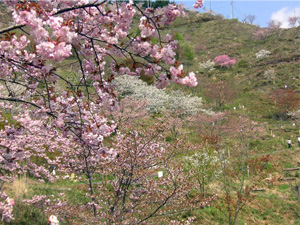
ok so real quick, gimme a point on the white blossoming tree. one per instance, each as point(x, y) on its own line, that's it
point(157, 99)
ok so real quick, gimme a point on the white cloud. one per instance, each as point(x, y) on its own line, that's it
point(283, 15)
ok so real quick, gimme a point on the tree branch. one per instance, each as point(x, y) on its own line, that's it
point(79, 7)
point(19, 26)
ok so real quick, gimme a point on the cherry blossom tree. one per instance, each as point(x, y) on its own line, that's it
point(204, 165)
point(274, 27)
point(261, 34)
point(132, 192)
point(52, 113)
point(293, 21)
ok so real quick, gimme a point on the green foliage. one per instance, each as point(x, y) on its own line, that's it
point(243, 64)
point(160, 3)
point(283, 186)
point(25, 215)
point(148, 79)
point(178, 37)
point(188, 53)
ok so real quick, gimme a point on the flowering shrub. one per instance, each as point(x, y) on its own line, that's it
point(262, 54)
point(205, 165)
point(134, 191)
point(6, 207)
point(224, 61)
point(261, 34)
point(207, 66)
point(158, 100)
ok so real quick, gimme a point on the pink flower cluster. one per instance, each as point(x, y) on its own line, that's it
point(189, 80)
point(6, 207)
point(172, 12)
point(55, 49)
point(147, 28)
point(162, 82)
point(224, 61)
point(49, 50)
point(198, 4)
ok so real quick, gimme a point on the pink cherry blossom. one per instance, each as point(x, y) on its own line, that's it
point(189, 80)
point(198, 4)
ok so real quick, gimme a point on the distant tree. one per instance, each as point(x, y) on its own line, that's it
point(160, 3)
point(285, 100)
point(203, 164)
point(261, 34)
point(236, 166)
point(233, 177)
point(270, 75)
point(274, 26)
point(250, 19)
point(293, 20)
point(220, 93)
point(207, 125)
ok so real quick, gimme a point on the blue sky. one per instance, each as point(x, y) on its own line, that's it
point(263, 10)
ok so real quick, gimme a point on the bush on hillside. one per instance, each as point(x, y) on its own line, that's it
point(224, 61)
point(157, 99)
point(262, 54)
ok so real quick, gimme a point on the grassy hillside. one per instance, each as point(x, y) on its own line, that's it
point(202, 37)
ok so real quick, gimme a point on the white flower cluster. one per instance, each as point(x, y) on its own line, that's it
point(157, 99)
point(262, 54)
point(206, 66)
point(206, 163)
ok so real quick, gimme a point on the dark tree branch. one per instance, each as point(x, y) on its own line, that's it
point(79, 7)
point(19, 26)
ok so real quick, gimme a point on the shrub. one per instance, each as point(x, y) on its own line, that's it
point(262, 54)
point(219, 17)
point(224, 61)
point(261, 34)
point(179, 37)
point(207, 66)
point(188, 53)
point(157, 99)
